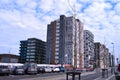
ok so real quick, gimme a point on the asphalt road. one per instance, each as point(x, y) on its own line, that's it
point(95, 76)
point(18, 77)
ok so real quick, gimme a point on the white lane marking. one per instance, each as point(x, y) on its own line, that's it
point(98, 78)
point(109, 77)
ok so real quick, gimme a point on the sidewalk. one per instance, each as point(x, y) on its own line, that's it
point(58, 77)
point(109, 78)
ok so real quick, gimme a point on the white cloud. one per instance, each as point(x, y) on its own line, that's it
point(22, 19)
point(46, 5)
point(6, 1)
point(117, 7)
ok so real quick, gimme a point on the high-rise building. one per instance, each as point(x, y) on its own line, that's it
point(32, 50)
point(110, 58)
point(64, 41)
point(88, 49)
point(23, 51)
point(102, 56)
point(97, 54)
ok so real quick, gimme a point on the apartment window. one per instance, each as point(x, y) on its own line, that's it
point(57, 38)
point(57, 34)
point(27, 59)
point(31, 40)
point(27, 56)
point(32, 59)
point(32, 56)
point(57, 42)
point(57, 45)
point(57, 30)
point(86, 55)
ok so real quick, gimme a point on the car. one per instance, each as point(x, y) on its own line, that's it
point(30, 68)
point(56, 69)
point(48, 69)
point(18, 70)
point(117, 72)
point(41, 69)
point(62, 69)
point(4, 70)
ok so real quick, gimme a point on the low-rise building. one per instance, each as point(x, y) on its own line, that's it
point(9, 58)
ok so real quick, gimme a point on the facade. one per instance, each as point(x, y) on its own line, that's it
point(102, 56)
point(23, 51)
point(97, 54)
point(9, 58)
point(110, 58)
point(64, 41)
point(33, 50)
point(88, 49)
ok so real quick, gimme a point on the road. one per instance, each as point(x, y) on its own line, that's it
point(57, 76)
point(18, 77)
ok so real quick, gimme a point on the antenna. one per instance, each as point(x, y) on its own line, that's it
point(9, 51)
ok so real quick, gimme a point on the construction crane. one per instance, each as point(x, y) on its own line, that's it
point(75, 39)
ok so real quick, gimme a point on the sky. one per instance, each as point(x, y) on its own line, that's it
point(23, 19)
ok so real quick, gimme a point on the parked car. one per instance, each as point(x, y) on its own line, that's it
point(117, 72)
point(56, 69)
point(30, 68)
point(62, 69)
point(48, 69)
point(41, 69)
point(18, 70)
point(4, 70)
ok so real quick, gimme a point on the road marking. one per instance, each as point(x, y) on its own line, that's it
point(12, 75)
point(99, 78)
point(109, 77)
point(47, 78)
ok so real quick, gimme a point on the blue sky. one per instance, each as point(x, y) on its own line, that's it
point(22, 19)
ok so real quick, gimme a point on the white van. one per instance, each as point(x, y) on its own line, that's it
point(30, 68)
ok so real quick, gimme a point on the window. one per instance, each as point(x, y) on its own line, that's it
point(32, 59)
point(32, 56)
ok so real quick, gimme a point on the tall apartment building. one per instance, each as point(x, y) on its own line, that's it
point(88, 49)
point(23, 51)
point(112, 60)
point(102, 56)
point(64, 41)
point(32, 50)
point(97, 54)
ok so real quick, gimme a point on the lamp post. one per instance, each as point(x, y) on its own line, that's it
point(112, 57)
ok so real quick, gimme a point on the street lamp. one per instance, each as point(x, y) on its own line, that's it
point(112, 57)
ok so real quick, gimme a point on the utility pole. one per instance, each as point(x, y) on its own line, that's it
point(112, 69)
point(112, 55)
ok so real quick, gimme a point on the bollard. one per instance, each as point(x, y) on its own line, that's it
point(73, 73)
point(104, 73)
